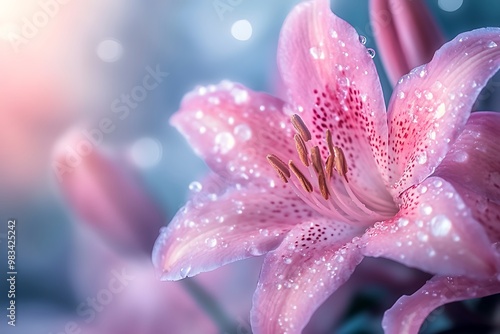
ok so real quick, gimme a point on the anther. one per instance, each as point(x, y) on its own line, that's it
point(323, 188)
point(301, 149)
point(329, 166)
point(302, 179)
point(280, 167)
point(340, 163)
point(301, 127)
point(316, 160)
point(329, 141)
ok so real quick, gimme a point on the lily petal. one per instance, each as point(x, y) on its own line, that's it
point(409, 312)
point(431, 105)
point(473, 167)
point(435, 232)
point(406, 34)
point(233, 129)
point(223, 224)
point(315, 258)
point(333, 84)
point(474, 159)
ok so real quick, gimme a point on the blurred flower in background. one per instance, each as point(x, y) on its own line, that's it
point(46, 79)
point(113, 72)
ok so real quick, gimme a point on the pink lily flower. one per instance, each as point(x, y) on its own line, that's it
point(406, 34)
point(344, 179)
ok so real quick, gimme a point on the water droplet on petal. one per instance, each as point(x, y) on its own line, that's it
point(334, 34)
point(437, 183)
point(211, 242)
point(438, 85)
point(253, 250)
point(460, 156)
point(440, 225)
point(441, 110)
point(402, 222)
point(401, 94)
point(199, 114)
point(224, 142)
point(371, 52)
point(362, 39)
point(422, 236)
point(243, 132)
point(317, 53)
point(428, 95)
point(425, 209)
point(492, 45)
point(240, 95)
point(422, 158)
point(195, 186)
point(264, 232)
point(287, 260)
point(185, 271)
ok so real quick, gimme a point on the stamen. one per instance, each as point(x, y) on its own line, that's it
point(301, 127)
point(329, 166)
point(328, 193)
point(340, 162)
point(318, 168)
point(316, 160)
point(280, 167)
point(304, 182)
point(329, 142)
point(301, 149)
point(323, 187)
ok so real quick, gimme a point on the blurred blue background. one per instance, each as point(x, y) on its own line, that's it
point(98, 52)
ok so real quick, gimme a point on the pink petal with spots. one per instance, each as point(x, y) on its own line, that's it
point(435, 232)
point(406, 33)
point(312, 262)
point(473, 167)
point(474, 159)
point(334, 85)
point(409, 312)
point(224, 224)
point(234, 128)
point(431, 105)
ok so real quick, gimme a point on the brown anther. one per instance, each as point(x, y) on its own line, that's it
point(329, 141)
point(316, 160)
point(301, 127)
point(280, 167)
point(340, 162)
point(318, 167)
point(323, 188)
point(329, 166)
point(301, 149)
point(302, 179)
